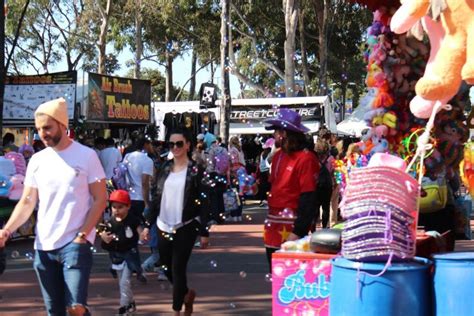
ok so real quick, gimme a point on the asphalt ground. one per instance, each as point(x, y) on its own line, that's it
point(229, 277)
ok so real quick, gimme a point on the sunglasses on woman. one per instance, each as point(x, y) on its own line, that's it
point(178, 144)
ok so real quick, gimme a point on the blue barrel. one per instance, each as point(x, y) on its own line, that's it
point(403, 289)
point(453, 281)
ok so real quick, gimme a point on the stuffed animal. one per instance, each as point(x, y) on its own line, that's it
point(419, 106)
point(455, 58)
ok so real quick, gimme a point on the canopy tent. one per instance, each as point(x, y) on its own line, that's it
point(247, 115)
point(355, 124)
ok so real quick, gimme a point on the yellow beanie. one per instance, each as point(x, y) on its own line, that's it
point(56, 108)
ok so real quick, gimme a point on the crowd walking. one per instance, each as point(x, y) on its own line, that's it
point(163, 195)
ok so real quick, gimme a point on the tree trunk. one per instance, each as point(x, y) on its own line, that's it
point(192, 87)
point(2, 64)
point(213, 71)
point(102, 43)
point(304, 55)
point(225, 86)
point(322, 11)
point(291, 8)
point(169, 77)
point(138, 39)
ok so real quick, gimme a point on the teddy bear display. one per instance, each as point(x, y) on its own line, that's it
point(452, 58)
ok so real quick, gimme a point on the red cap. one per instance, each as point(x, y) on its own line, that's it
point(120, 196)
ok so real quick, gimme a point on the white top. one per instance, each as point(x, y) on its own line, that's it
point(62, 179)
point(138, 164)
point(172, 201)
point(7, 167)
point(110, 157)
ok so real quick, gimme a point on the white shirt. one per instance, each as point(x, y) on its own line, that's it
point(138, 164)
point(172, 201)
point(110, 157)
point(62, 180)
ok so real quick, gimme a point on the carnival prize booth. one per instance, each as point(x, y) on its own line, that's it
point(401, 206)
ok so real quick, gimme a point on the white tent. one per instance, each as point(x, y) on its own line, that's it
point(247, 115)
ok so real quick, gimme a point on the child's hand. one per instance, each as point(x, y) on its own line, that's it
point(106, 237)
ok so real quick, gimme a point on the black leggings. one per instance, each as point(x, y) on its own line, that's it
point(174, 255)
point(323, 200)
point(270, 251)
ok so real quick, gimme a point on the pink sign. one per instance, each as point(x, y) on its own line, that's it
point(300, 285)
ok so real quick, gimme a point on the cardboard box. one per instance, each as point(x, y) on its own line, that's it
point(300, 283)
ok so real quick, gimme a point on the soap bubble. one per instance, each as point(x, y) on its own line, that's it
point(213, 264)
point(232, 305)
point(268, 277)
point(15, 254)
point(93, 249)
point(243, 274)
point(30, 256)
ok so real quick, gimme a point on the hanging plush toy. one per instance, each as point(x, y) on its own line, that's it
point(453, 61)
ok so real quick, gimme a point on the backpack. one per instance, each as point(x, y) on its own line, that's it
point(119, 178)
point(18, 161)
point(222, 162)
point(324, 178)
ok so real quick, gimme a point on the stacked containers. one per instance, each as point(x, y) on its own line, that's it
point(380, 205)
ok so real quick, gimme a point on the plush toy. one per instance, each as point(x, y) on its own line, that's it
point(419, 106)
point(455, 58)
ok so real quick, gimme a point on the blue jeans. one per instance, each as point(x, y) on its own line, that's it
point(63, 275)
point(149, 264)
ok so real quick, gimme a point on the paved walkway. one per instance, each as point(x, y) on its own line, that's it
point(229, 277)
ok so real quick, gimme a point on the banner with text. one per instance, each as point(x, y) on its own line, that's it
point(23, 94)
point(254, 113)
point(119, 100)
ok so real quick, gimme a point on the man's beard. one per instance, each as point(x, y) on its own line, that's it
point(53, 140)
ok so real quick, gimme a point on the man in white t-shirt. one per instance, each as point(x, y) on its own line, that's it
point(109, 157)
point(68, 181)
point(140, 169)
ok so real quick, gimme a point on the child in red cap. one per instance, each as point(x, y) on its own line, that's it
point(120, 238)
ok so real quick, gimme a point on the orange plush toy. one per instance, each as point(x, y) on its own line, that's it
point(454, 61)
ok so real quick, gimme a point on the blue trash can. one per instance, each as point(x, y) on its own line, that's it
point(453, 280)
point(403, 289)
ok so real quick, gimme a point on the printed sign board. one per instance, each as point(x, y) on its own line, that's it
point(120, 100)
point(23, 94)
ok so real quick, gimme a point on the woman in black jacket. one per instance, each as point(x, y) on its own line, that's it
point(179, 207)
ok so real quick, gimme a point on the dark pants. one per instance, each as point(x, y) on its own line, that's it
point(270, 252)
point(323, 200)
point(175, 251)
point(137, 207)
point(216, 198)
point(238, 211)
point(264, 186)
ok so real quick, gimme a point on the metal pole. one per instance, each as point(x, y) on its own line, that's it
point(225, 105)
point(2, 63)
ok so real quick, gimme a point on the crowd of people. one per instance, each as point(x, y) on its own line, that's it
point(172, 192)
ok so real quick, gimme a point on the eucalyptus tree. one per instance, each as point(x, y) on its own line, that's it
point(37, 43)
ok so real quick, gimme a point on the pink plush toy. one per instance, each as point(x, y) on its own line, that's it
point(453, 60)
